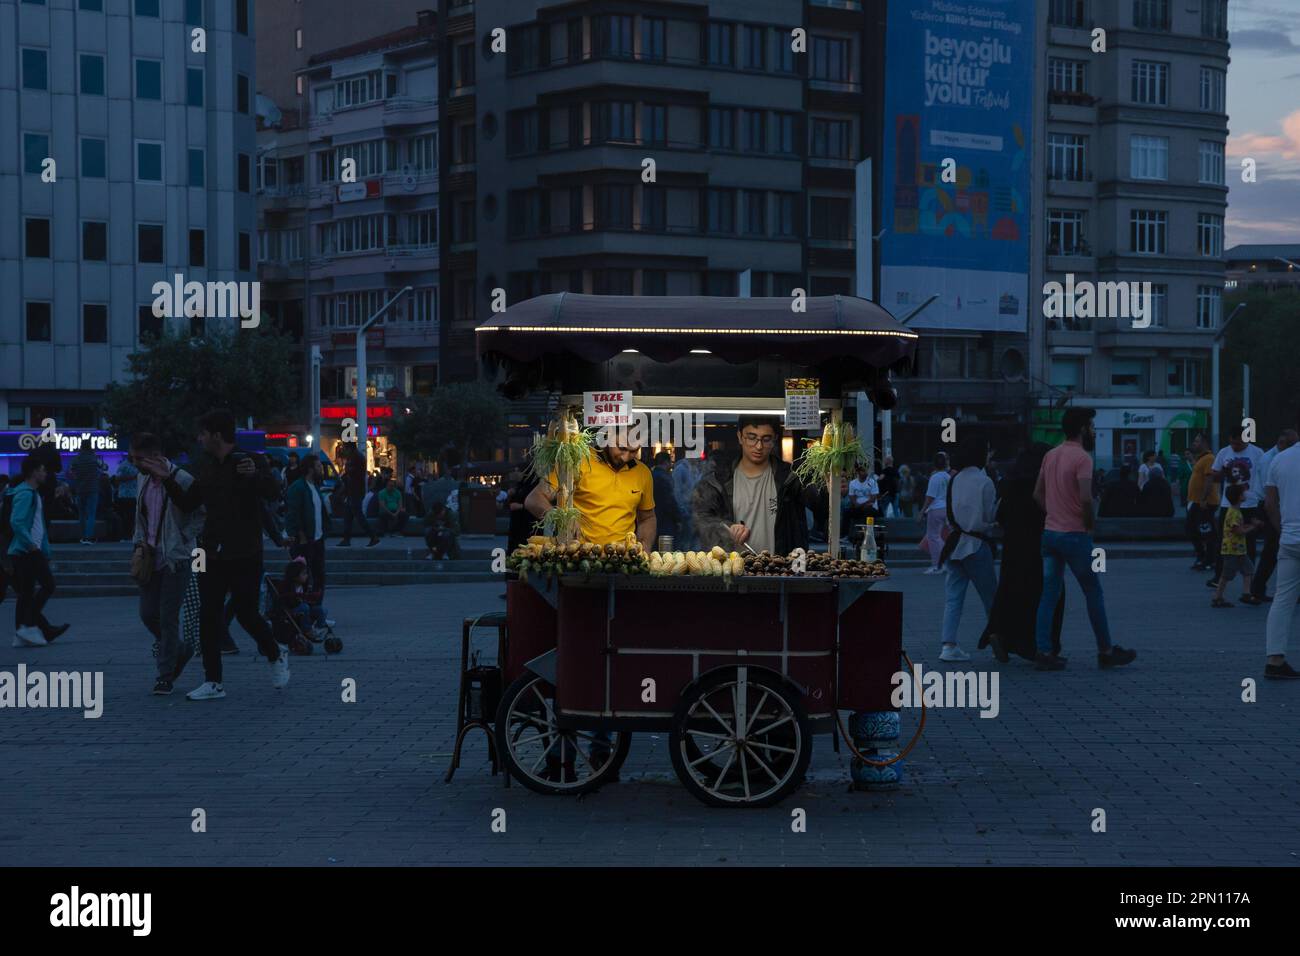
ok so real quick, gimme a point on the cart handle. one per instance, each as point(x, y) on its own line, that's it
point(902, 753)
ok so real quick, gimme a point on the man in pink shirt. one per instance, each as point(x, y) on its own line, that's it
point(1064, 492)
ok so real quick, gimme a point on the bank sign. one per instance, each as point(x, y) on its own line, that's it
point(959, 87)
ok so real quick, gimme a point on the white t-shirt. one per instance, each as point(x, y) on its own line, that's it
point(1284, 475)
point(1144, 472)
point(974, 505)
point(938, 490)
point(860, 491)
point(1242, 468)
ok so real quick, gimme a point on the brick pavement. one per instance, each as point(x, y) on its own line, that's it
point(1187, 773)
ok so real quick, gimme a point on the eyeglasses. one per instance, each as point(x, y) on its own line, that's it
point(765, 440)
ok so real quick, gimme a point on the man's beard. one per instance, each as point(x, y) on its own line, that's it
point(1089, 441)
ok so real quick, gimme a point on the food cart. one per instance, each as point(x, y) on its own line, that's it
point(740, 671)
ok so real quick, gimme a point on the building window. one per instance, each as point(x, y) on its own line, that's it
point(150, 325)
point(198, 247)
point(241, 93)
point(755, 207)
point(830, 60)
point(1065, 235)
point(241, 17)
point(720, 210)
point(785, 138)
point(196, 168)
point(94, 241)
point(1214, 19)
point(94, 163)
point(194, 13)
point(654, 282)
point(527, 213)
point(146, 8)
point(654, 124)
point(654, 208)
point(148, 162)
point(1158, 305)
point(1067, 76)
point(193, 86)
point(832, 218)
point(245, 252)
point(148, 79)
point(1211, 162)
point(464, 65)
point(244, 172)
point(1151, 14)
point(1130, 376)
point(1187, 377)
point(297, 38)
point(94, 324)
point(611, 281)
point(722, 44)
point(465, 143)
point(1067, 373)
point(755, 40)
point(831, 139)
point(1148, 231)
point(753, 131)
point(35, 70)
point(424, 309)
point(1148, 157)
point(1067, 156)
point(522, 128)
point(652, 39)
point(94, 6)
point(613, 206)
point(785, 62)
point(1209, 235)
point(37, 238)
point(1068, 13)
point(92, 74)
point(722, 127)
point(1213, 88)
point(524, 51)
point(614, 36)
point(1209, 306)
point(613, 122)
point(784, 225)
point(357, 90)
point(36, 149)
point(718, 282)
point(149, 243)
point(1150, 82)
point(38, 322)
point(463, 223)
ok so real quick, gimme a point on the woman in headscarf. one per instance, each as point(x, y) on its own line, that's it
point(1011, 622)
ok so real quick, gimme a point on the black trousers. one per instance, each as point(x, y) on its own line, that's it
point(34, 585)
point(352, 513)
point(1203, 543)
point(125, 508)
point(314, 554)
point(241, 578)
point(1247, 515)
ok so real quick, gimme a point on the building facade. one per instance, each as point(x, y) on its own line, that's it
point(1131, 190)
point(126, 158)
point(1270, 266)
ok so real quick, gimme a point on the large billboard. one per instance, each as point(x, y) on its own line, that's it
point(959, 89)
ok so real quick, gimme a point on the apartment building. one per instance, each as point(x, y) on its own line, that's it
point(153, 149)
point(1271, 266)
point(1132, 189)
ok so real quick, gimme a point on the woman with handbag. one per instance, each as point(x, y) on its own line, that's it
point(971, 508)
point(160, 562)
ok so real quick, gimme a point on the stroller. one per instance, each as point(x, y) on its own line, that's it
point(278, 610)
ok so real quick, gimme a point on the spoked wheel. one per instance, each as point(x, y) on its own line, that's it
point(544, 757)
point(740, 738)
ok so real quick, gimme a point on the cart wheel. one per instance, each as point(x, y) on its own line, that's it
point(740, 738)
point(544, 758)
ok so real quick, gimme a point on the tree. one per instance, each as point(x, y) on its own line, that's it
point(1263, 336)
point(176, 378)
point(450, 424)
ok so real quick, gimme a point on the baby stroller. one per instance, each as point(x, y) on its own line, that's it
point(285, 627)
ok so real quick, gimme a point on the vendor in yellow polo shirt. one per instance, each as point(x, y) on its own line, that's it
point(614, 492)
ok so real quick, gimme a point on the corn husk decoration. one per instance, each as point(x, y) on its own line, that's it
point(562, 450)
point(839, 451)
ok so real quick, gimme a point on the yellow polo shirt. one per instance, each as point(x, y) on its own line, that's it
point(609, 499)
point(1200, 477)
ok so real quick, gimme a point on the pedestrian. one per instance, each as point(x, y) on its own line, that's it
point(1232, 549)
point(231, 486)
point(1156, 499)
point(971, 507)
point(935, 512)
point(1239, 463)
point(303, 597)
point(306, 520)
point(1011, 623)
point(666, 511)
point(1270, 533)
point(1202, 503)
point(521, 522)
point(292, 471)
point(85, 487)
point(686, 475)
point(1064, 492)
point(1144, 470)
point(163, 540)
point(355, 481)
point(1282, 502)
point(29, 552)
point(391, 509)
point(906, 490)
point(887, 481)
point(125, 484)
point(439, 536)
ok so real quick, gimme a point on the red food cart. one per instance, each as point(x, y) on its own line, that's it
point(740, 672)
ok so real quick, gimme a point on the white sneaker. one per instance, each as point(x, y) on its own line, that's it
point(280, 670)
point(29, 637)
point(933, 570)
point(330, 622)
point(207, 691)
point(951, 652)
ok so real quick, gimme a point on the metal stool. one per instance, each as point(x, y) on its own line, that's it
point(466, 718)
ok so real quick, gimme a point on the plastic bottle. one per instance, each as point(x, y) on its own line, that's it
point(868, 550)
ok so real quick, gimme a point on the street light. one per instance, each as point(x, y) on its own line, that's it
point(1214, 373)
point(361, 370)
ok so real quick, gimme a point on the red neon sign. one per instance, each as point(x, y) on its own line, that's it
point(350, 411)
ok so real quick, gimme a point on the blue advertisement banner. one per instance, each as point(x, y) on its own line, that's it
point(959, 90)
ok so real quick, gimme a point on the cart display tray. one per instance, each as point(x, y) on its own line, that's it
point(742, 584)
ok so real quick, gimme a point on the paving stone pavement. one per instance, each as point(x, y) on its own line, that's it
point(1186, 772)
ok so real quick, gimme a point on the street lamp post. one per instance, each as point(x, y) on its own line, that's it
point(1214, 374)
point(361, 371)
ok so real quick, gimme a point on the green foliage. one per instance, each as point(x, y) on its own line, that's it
point(176, 378)
point(1263, 336)
point(453, 422)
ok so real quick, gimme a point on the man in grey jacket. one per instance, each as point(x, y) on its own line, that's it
point(171, 533)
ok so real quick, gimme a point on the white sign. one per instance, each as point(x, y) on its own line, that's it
point(802, 403)
point(606, 408)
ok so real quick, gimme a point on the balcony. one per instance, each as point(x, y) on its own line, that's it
point(1077, 258)
point(1074, 184)
point(405, 257)
point(283, 197)
point(410, 110)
